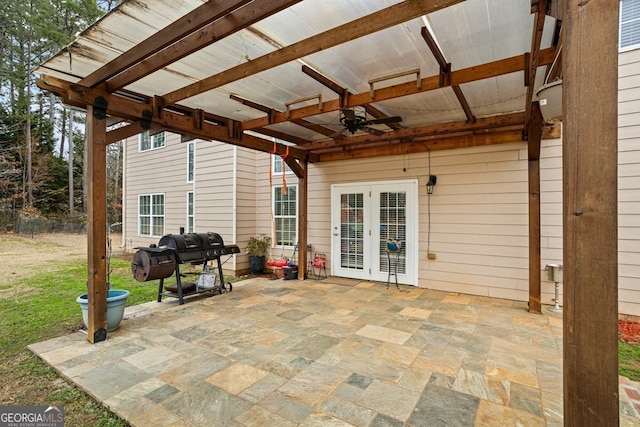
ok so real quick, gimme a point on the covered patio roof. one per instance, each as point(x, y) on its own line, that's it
point(343, 79)
point(457, 73)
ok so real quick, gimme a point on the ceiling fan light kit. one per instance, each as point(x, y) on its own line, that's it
point(355, 119)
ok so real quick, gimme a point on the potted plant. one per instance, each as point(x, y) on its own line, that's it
point(116, 298)
point(257, 248)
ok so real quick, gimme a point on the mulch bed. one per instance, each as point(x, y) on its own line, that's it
point(629, 331)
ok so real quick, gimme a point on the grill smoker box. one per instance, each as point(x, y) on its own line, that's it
point(153, 263)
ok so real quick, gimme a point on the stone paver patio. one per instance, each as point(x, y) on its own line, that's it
point(319, 353)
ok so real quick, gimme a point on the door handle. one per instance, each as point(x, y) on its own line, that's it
point(335, 234)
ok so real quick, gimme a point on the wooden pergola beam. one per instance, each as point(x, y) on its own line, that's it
point(501, 67)
point(540, 7)
point(96, 151)
point(127, 131)
point(590, 213)
point(422, 145)
point(189, 23)
point(275, 133)
point(445, 71)
point(229, 24)
point(534, 132)
point(377, 21)
point(74, 94)
point(344, 93)
point(430, 130)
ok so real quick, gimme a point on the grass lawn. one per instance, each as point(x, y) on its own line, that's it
point(39, 306)
point(36, 309)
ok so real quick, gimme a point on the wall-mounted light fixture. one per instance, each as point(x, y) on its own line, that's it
point(431, 183)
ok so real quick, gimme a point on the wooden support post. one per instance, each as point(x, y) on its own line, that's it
point(97, 225)
point(534, 131)
point(590, 213)
point(302, 220)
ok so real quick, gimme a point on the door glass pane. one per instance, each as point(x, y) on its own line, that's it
point(352, 231)
point(393, 226)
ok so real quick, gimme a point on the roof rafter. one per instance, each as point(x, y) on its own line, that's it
point(270, 111)
point(344, 93)
point(377, 21)
point(465, 75)
point(445, 71)
point(235, 21)
point(189, 23)
point(539, 7)
point(81, 96)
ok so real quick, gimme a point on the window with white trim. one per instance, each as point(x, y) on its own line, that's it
point(629, 25)
point(191, 161)
point(151, 142)
point(279, 165)
point(151, 215)
point(190, 211)
point(285, 215)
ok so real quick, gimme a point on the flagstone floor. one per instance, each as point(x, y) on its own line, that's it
point(319, 353)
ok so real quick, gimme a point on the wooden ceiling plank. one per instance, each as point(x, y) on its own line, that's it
point(377, 21)
point(189, 23)
point(534, 58)
point(466, 75)
point(235, 21)
point(80, 96)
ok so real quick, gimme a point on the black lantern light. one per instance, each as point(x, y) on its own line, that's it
point(431, 183)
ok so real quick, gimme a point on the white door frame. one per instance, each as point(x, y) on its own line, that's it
point(371, 264)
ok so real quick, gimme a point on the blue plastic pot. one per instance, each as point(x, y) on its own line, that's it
point(116, 301)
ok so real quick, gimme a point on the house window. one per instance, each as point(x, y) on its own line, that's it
point(190, 212)
point(629, 24)
point(191, 161)
point(285, 215)
point(279, 166)
point(151, 215)
point(151, 142)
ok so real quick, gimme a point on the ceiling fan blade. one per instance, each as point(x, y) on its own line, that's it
point(376, 132)
point(384, 120)
point(348, 114)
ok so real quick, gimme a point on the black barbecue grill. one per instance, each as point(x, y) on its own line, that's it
point(163, 260)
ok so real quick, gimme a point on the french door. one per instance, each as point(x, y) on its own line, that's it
point(364, 216)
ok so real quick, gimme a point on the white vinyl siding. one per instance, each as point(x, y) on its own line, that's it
point(151, 142)
point(191, 161)
point(629, 182)
point(285, 215)
point(151, 215)
point(629, 24)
